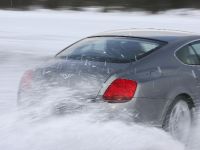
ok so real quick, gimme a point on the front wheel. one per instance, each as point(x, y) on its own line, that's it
point(178, 120)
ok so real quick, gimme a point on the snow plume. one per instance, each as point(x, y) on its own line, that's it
point(43, 33)
point(79, 132)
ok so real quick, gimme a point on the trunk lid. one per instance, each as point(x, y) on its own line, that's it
point(84, 78)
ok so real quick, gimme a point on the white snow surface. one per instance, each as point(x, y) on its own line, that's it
point(29, 37)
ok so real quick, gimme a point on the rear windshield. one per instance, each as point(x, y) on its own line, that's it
point(110, 49)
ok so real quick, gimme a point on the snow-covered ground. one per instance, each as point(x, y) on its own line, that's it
point(28, 37)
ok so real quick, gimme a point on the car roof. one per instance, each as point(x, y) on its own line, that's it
point(156, 34)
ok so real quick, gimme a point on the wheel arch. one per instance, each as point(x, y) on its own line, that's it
point(185, 96)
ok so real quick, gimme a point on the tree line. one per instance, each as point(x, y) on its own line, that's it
point(148, 5)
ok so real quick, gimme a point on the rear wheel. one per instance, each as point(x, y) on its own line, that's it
point(178, 120)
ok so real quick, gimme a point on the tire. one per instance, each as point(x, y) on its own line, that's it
point(178, 119)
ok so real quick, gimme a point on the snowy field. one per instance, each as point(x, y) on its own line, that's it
point(29, 37)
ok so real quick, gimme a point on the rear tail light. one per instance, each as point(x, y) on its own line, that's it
point(120, 90)
point(27, 79)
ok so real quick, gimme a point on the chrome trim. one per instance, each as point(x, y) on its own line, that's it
point(182, 47)
point(106, 84)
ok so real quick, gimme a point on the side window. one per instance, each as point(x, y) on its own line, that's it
point(196, 47)
point(188, 56)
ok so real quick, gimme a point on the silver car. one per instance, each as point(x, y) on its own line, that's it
point(154, 75)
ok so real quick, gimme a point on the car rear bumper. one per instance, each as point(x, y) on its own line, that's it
point(141, 110)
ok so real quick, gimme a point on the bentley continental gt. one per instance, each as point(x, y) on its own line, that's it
point(151, 73)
